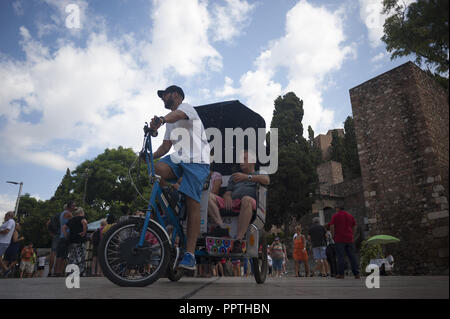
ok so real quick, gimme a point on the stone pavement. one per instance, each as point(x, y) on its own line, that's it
point(288, 287)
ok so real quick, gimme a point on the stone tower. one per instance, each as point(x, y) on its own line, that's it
point(401, 122)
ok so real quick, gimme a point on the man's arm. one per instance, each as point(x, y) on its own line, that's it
point(5, 231)
point(332, 229)
point(172, 117)
point(163, 149)
point(175, 116)
point(84, 222)
point(240, 177)
point(64, 229)
point(228, 200)
point(262, 179)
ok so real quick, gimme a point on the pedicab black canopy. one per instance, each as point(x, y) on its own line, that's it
point(230, 114)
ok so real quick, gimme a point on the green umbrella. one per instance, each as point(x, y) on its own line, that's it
point(382, 239)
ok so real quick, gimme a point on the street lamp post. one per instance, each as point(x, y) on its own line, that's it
point(18, 196)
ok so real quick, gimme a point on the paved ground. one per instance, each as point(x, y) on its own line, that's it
point(403, 287)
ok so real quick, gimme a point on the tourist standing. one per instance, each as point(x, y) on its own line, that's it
point(343, 227)
point(26, 263)
point(6, 233)
point(277, 251)
point(75, 232)
point(317, 237)
point(300, 255)
point(331, 252)
point(13, 251)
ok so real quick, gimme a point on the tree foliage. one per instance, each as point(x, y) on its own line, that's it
point(422, 29)
point(100, 186)
point(345, 150)
point(296, 176)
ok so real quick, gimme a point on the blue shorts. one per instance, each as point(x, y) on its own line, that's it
point(320, 253)
point(55, 241)
point(194, 176)
point(3, 248)
point(277, 264)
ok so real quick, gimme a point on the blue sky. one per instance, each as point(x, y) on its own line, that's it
point(68, 93)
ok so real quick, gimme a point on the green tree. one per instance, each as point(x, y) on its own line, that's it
point(296, 176)
point(337, 152)
point(351, 149)
point(422, 29)
point(33, 218)
point(65, 189)
point(315, 150)
point(345, 150)
point(104, 183)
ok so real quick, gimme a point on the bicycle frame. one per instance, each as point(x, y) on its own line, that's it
point(169, 218)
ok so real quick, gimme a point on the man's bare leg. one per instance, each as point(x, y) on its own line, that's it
point(164, 170)
point(244, 217)
point(193, 224)
point(51, 271)
point(213, 210)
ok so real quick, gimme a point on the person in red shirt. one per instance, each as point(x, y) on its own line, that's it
point(343, 227)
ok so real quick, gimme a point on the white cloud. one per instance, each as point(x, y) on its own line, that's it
point(180, 38)
point(231, 19)
point(63, 11)
point(7, 203)
point(311, 48)
point(18, 7)
point(370, 14)
point(82, 95)
point(99, 95)
point(378, 57)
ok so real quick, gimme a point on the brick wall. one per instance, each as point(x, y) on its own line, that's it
point(401, 123)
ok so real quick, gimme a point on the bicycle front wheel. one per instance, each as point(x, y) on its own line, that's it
point(126, 264)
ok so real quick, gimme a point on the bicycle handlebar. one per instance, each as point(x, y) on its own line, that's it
point(148, 130)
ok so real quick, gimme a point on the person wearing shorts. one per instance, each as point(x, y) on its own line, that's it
point(240, 196)
point(26, 263)
point(189, 162)
point(319, 246)
point(277, 251)
point(6, 233)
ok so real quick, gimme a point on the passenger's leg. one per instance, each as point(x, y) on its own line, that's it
point(245, 216)
point(213, 210)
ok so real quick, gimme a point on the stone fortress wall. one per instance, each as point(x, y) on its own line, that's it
point(401, 123)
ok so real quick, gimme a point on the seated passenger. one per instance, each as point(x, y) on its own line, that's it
point(215, 184)
point(240, 197)
point(213, 211)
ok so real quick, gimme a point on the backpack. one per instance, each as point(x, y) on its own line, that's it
point(55, 225)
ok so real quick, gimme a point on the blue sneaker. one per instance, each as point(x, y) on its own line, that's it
point(188, 262)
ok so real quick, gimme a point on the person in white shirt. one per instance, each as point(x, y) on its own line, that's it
point(185, 132)
point(6, 233)
point(41, 265)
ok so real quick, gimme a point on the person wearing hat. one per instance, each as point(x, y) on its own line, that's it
point(190, 160)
